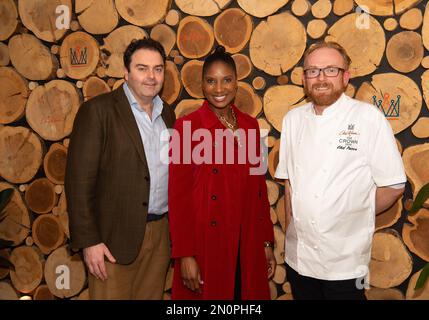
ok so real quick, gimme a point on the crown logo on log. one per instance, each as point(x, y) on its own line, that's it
point(389, 107)
point(78, 57)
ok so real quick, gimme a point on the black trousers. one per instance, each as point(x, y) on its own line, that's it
point(307, 288)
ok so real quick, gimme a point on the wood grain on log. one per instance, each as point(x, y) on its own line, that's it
point(4, 272)
point(16, 226)
point(164, 35)
point(341, 7)
point(114, 47)
point(417, 167)
point(365, 46)
point(420, 294)
point(390, 24)
point(261, 9)
point(93, 87)
point(389, 217)
point(40, 17)
point(243, 64)
point(79, 55)
point(412, 19)
point(391, 263)
point(143, 13)
point(258, 83)
point(43, 293)
point(21, 154)
point(321, 9)
point(247, 100)
point(279, 245)
point(195, 37)
point(384, 294)
point(40, 196)
point(28, 269)
point(13, 95)
point(172, 18)
point(405, 51)
point(421, 128)
point(301, 7)
point(281, 213)
point(387, 7)
point(51, 109)
point(48, 233)
point(274, 51)
point(425, 86)
point(97, 17)
point(316, 28)
point(273, 191)
point(385, 89)
point(4, 55)
point(38, 63)
point(425, 28)
point(68, 280)
point(232, 29)
point(273, 158)
point(203, 8)
point(279, 100)
point(172, 85)
point(186, 106)
point(54, 163)
point(7, 292)
point(191, 76)
point(8, 19)
point(416, 234)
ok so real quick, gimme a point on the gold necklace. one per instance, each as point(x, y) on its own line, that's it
point(232, 125)
point(229, 124)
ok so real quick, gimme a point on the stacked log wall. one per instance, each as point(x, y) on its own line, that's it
point(46, 72)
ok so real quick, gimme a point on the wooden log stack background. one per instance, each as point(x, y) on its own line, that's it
point(46, 72)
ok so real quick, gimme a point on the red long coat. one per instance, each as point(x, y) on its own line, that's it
point(215, 209)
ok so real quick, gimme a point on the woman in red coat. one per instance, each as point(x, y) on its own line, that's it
point(218, 206)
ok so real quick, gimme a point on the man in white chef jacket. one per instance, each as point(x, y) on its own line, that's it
point(341, 167)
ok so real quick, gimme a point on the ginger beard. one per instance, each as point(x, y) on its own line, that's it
point(323, 93)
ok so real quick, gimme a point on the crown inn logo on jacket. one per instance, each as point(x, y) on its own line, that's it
point(349, 138)
point(389, 107)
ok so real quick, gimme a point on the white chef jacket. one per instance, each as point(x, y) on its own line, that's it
point(334, 163)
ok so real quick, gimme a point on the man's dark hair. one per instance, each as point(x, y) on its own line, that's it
point(146, 43)
point(219, 55)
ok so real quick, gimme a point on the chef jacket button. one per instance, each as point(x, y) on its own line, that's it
point(313, 222)
point(215, 171)
point(213, 223)
point(315, 247)
point(214, 197)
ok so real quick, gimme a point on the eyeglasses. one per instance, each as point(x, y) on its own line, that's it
point(327, 72)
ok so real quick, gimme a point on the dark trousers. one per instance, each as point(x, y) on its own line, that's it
point(307, 288)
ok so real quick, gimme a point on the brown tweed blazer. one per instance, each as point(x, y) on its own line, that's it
point(107, 177)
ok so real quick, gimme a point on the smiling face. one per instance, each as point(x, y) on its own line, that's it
point(323, 90)
point(219, 85)
point(146, 75)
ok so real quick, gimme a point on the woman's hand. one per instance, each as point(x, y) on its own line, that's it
point(271, 261)
point(190, 273)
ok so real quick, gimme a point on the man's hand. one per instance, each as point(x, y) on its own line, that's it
point(94, 259)
point(190, 273)
point(271, 261)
